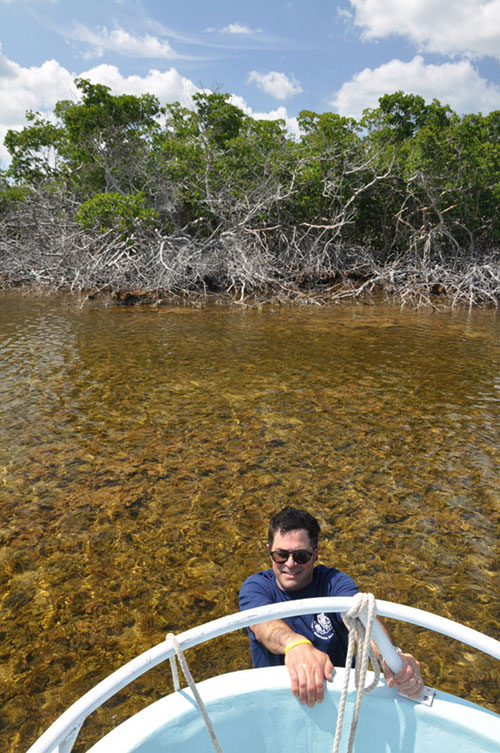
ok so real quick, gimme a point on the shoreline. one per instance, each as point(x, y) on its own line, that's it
point(364, 293)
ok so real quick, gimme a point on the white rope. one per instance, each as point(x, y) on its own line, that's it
point(363, 604)
point(175, 672)
point(192, 685)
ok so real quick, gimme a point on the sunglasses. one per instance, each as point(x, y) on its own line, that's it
point(300, 556)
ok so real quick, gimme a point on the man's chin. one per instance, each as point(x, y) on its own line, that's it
point(291, 582)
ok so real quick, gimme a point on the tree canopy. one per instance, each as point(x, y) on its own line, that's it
point(410, 180)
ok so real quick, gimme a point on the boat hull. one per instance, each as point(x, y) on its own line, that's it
point(253, 711)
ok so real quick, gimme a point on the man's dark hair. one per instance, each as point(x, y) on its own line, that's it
point(291, 519)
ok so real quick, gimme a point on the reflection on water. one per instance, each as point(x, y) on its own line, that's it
point(142, 452)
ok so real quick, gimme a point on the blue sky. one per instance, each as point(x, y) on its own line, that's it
point(276, 57)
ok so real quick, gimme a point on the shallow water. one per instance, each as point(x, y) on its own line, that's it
point(142, 452)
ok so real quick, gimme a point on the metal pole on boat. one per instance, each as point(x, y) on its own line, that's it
point(384, 645)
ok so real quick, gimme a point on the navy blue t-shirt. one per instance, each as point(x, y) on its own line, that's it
point(327, 632)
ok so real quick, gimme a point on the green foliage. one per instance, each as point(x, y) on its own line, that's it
point(11, 195)
point(215, 155)
point(112, 211)
point(107, 139)
point(398, 117)
point(407, 170)
point(218, 120)
point(259, 153)
point(34, 150)
point(329, 145)
point(101, 143)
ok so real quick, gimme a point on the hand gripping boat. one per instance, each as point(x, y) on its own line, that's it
point(253, 711)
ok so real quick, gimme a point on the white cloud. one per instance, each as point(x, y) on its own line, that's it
point(456, 84)
point(280, 113)
point(235, 28)
point(168, 86)
point(7, 69)
point(21, 89)
point(39, 88)
point(276, 84)
point(450, 27)
point(121, 42)
point(344, 14)
point(36, 88)
point(291, 123)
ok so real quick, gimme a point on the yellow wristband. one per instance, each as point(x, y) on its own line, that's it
point(298, 642)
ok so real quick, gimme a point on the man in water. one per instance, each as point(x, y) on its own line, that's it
point(310, 645)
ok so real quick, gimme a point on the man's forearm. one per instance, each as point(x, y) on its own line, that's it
point(274, 635)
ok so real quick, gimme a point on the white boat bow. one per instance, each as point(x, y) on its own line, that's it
point(246, 706)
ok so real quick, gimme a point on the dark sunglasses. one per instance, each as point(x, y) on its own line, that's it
point(300, 556)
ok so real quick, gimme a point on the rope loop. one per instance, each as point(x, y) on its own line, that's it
point(192, 686)
point(359, 620)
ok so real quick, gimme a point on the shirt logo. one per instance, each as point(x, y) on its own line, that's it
point(322, 626)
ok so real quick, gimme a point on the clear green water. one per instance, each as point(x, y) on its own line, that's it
point(142, 452)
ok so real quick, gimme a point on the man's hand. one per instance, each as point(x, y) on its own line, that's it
point(308, 668)
point(408, 680)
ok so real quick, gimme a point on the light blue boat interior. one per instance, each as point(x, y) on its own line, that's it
point(254, 711)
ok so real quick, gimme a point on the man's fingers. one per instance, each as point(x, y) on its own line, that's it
point(294, 681)
point(411, 687)
point(307, 684)
point(408, 680)
point(310, 685)
point(328, 671)
point(308, 667)
point(318, 688)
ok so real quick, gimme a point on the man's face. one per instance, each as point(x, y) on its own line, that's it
point(291, 576)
